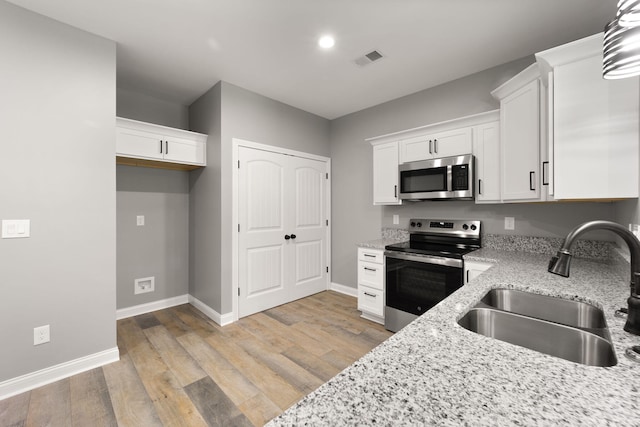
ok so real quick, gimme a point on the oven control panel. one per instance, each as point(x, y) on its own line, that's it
point(438, 226)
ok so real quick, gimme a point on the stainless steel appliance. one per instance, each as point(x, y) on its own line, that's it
point(445, 178)
point(426, 269)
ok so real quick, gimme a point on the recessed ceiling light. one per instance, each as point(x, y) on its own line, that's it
point(326, 42)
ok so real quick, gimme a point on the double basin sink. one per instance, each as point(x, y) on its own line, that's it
point(571, 330)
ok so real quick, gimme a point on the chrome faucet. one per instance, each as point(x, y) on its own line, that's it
point(560, 264)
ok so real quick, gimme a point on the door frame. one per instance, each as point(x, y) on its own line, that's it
point(235, 156)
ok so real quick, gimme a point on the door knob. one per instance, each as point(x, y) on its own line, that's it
point(287, 237)
point(293, 236)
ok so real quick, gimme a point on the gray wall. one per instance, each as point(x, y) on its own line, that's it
point(355, 219)
point(205, 209)
point(249, 116)
point(138, 106)
point(160, 248)
point(57, 168)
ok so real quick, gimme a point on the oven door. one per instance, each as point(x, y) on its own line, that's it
point(415, 283)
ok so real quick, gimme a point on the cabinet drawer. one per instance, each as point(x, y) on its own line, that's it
point(371, 300)
point(370, 274)
point(370, 255)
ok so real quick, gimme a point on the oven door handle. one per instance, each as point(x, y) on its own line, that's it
point(426, 259)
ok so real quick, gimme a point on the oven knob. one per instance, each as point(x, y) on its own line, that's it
point(419, 224)
point(473, 227)
point(413, 224)
point(465, 227)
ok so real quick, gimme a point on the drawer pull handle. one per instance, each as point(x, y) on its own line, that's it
point(370, 269)
point(370, 295)
point(369, 255)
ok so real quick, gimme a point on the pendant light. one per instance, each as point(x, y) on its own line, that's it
point(628, 13)
point(621, 50)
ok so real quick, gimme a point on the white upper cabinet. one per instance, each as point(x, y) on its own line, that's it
point(146, 144)
point(385, 174)
point(520, 130)
point(443, 144)
point(486, 149)
point(593, 124)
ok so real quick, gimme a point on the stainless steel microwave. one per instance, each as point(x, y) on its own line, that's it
point(447, 178)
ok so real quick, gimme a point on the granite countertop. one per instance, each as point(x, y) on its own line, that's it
point(381, 243)
point(434, 372)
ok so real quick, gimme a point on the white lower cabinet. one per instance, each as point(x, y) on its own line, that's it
point(371, 284)
point(473, 269)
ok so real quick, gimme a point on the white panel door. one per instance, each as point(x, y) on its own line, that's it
point(262, 219)
point(309, 227)
point(282, 238)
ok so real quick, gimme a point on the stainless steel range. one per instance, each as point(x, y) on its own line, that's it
point(426, 269)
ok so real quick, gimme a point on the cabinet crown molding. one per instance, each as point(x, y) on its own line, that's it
point(460, 122)
point(521, 79)
point(587, 47)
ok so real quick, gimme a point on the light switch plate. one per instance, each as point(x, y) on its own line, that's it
point(140, 220)
point(16, 228)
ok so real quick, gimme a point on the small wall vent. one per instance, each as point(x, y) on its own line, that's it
point(368, 58)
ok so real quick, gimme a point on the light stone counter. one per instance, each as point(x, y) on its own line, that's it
point(434, 372)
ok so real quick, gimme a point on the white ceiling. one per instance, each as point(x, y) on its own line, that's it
point(177, 49)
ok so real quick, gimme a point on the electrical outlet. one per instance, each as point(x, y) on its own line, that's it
point(396, 219)
point(140, 220)
point(41, 335)
point(144, 285)
point(509, 223)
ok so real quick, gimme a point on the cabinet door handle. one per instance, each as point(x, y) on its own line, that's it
point(166, 147)
point(430, 150)
point(435, 146)
point(479, 186)
point(467, 276)
point(395, 191)
point(370, 269)
point(370, 295)
point(532, 175)
point(287, 237)
point(161, 146)
point(544, 179)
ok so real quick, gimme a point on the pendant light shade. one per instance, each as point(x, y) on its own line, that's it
point(628, 13)
point(621, 53)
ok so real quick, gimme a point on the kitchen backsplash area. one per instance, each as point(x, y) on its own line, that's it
point(593, 249)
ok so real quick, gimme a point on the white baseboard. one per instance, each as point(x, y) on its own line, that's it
point(220, 319)
point(45, 376)
point(136, 310)
point(347, 290)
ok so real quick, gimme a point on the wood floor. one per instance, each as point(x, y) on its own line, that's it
point(177, 367)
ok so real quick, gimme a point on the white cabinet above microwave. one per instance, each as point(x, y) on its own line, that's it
point(444, 144)
point(146, 144)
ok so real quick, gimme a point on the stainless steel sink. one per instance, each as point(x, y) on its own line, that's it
point(574, 344)
point(567, 312)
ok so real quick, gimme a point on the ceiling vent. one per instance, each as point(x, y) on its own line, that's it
point(368, 58)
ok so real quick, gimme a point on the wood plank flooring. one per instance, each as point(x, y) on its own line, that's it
point(178, 368)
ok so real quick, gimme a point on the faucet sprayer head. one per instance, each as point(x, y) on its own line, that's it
point(560, 264)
